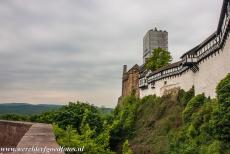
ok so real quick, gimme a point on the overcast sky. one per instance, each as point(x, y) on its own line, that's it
point(56, 51)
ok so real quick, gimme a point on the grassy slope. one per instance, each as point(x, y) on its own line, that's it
point(154, 121)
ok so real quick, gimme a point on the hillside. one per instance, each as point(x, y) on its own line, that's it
point(26, 109)
point(179, 123)
point(155, 118)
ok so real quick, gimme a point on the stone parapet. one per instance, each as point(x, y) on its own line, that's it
point(27, 135)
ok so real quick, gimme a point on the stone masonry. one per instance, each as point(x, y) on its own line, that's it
point(130, 80)
point(27, 135)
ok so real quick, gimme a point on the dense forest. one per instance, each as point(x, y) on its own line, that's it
point(174, 124)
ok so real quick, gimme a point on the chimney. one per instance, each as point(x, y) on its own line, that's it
point(124, 69)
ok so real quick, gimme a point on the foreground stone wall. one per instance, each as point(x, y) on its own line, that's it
point(12, 132)
point(27, 135)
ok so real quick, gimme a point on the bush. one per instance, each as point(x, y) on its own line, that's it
point(192, 106)
point(72, 114)
point(206, 123)
point(222, 120)
point(126, 148)
point(124, 119)
point(185, 97)
point(196, 134)
point(71, 138)
point(214, 148)
point(223, 91)
point(14, 117)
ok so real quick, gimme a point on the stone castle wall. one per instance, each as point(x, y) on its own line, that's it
point(130, 82)
point(202, 67)
point(183, 81)
point(211, 71)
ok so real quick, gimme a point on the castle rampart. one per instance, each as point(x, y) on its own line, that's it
point(202, 67)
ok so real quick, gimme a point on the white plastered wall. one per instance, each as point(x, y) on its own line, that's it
point(211, 71)
point(184, 81)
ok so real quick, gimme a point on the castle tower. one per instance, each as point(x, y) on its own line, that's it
point(152, 40)
point(130, 80)
point(124, 69)
point(124, 78)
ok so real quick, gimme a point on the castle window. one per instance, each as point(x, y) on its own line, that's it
point(153, 85)
point(165, 82)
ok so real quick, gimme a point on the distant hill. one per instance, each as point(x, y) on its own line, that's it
point(105, 110)
point(26, 109)
point(31, 109)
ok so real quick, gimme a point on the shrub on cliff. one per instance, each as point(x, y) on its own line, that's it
point(124, 118)
point(196, 134)
point(126, 148)
point(223, 92)
point(155, 118)
point(192, 106)
point(185, 96)
point(206, 127)
point(222, 118)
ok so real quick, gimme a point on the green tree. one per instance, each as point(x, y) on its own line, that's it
point(124, 120)
point(185, 96)
point(194, 104)
point(14, 117)
point(85, 133)
point(86, 140)
point(206, 123)
point(68, 137)
point(222, 118)
point(73, 114)
point(159, 58)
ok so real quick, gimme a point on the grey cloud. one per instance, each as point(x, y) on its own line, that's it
point(60, 50)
